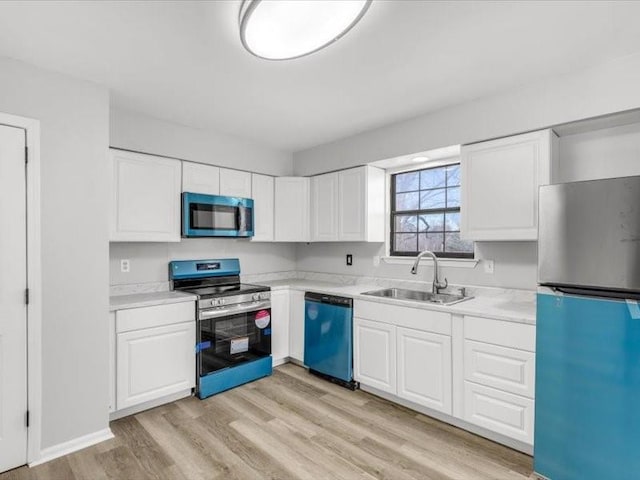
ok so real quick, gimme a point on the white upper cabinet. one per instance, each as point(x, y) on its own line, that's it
point(262, 189)
point(348, 206)
point(145, 198)
point(200, 178)
point(292, 209)
point(324, 208)
point(235, 183)
point(500, 180)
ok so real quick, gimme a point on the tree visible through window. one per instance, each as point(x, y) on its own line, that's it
point(425, 213)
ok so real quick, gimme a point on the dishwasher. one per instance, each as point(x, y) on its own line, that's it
point(328, 338)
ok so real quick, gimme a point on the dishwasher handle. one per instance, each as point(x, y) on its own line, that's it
point(329, 299)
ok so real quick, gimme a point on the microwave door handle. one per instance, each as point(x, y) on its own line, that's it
point(239, 217)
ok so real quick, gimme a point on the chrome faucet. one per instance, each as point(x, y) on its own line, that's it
point(436, 286)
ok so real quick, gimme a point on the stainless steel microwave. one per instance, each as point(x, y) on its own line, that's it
point(216, 216)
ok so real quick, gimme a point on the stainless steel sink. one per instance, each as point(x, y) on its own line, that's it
point(418, 296)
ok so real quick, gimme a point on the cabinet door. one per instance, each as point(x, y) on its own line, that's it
point(199, 178)
point(279, 326)
point(292, 209)
point(234, 183)
point(498, 411)
point(296, 326)
point(500, 181)
point(424, 368)
point(324, 208)
point(145, 198)
point(155, 362)
point(375, 354)
point(262, 190)
point(353, 204)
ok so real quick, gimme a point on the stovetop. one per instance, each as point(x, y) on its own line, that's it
point(225, 290)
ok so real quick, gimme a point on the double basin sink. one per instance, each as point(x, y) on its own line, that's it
point(418, 296)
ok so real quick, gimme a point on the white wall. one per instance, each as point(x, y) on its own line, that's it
point(601, 90)
point(606, 153)
point(134, 131)
point(150, 261)
point(515, 264)
point(74, 135)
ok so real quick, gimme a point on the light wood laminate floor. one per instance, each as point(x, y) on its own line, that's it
point(291, 425)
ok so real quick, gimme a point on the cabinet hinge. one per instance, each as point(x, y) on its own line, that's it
point(26, 154)
point(27, 418)
point(26, 296)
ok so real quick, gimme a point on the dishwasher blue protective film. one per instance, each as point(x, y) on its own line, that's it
point(587, 418)
point(328, 339)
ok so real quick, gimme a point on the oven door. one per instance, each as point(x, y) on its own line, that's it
point(216, 216)
point(226, 339)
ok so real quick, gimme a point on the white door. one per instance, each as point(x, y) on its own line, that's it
point(234, 183)
point(154, 362)
point(279, 326)
point(199, 178)
point(375, 354)
point(424, 368)
point(324, 208)
point(13, 312)
point(262, 191)
point(352, 201)
point(296, 326)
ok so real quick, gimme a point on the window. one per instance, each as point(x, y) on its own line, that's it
point(425, 213)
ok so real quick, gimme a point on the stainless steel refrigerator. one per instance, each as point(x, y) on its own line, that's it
point(587, 418)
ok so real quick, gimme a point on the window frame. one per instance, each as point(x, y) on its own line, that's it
point(393, 212)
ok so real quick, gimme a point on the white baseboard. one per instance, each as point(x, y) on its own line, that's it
point(71, 446)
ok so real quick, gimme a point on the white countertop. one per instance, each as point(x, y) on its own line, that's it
point(122, 302)
point(504, 305)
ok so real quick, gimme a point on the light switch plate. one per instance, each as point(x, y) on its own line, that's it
point(488, 266)
point(125, 266)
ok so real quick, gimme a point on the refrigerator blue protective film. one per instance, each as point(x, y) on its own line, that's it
point(587, 424)
point(328, 339)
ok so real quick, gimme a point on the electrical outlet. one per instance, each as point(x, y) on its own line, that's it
point(488, 266)
point(376, 260)
point(349, 259)
point(125, 266)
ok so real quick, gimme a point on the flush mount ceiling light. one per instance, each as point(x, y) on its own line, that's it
point(286, 29)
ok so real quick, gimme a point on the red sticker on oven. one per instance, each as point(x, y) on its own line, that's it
point(263, 317)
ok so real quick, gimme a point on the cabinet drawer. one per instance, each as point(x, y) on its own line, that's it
point(504, 368)
point(416, 318)
point(498, 332)
point(501, 412)
point(155, 316)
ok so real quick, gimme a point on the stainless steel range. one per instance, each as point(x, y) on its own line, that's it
point(233, 323)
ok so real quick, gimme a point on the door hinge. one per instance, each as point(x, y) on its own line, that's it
point(27, 418)
point(26, 296)
point(26, 154)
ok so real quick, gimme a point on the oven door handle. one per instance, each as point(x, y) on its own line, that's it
point(252, 307)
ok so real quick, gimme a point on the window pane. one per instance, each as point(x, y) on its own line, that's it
point(455, 244)
point(406, 242)
point(453, 175)
point(453, 197)
point(406, 182)
point(406, 223)
point(431, 223)
point(452, 222)
point(432, 199)
point(431, 241)
point(407, 201)
point(433, 178)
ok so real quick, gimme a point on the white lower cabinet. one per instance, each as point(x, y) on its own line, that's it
point(424, 368)
point(296, 325)
point(280, 307)
point(374, 350)
point(152, 355)
point(499, 411)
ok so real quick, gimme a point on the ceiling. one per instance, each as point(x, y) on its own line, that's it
point(183, 61)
